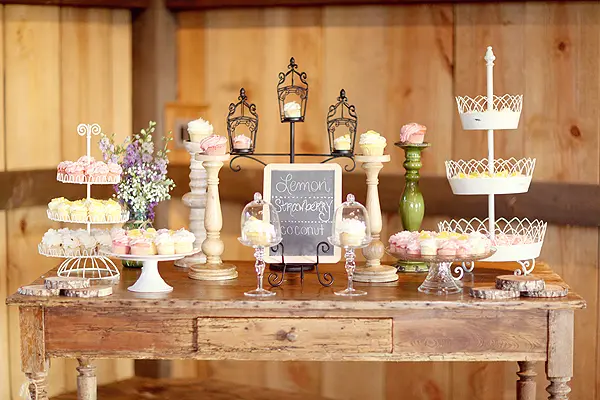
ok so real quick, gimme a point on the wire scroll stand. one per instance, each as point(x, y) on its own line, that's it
point(276, 280)
point(291, 83)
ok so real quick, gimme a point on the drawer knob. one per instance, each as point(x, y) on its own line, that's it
point(290, 336)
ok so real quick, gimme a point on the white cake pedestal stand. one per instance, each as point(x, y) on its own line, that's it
point(213, 269)
point(196, 201)
point(150, 280)
point(373, 271)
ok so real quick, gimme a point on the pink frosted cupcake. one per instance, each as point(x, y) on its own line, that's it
point(114, 171)
point(62, 167)
point(448, 248)
point(464, 248)
point(86, 160)
point(97, 171)
point(413, 133)
point(120, 242)
point(414, 248)
point(142, 246)
point(76, 172)
point(214, 145)
point(400, 240)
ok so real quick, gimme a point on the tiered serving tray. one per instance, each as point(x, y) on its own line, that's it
point(89, 264)
point(54, 216)
point(518, 240)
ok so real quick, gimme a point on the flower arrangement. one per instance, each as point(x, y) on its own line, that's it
point(144, 181)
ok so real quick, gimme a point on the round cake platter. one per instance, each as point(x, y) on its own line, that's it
point(440, 280)
point(150, 280)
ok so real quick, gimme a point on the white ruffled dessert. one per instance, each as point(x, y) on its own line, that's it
point(351, 232)
point(258, 232)
point(199, 129)
point(292, 110)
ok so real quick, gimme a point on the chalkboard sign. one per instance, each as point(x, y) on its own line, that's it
point(305, 197)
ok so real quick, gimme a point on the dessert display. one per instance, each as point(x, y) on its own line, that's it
point(148, 242)
point(87, 170)
point(445, 244)
point(474, 176)
point(199, 129)
point(292, 110)
point(260, 228)
point(342, 143)
point(81, 248)
point(242, 142)
point(213, 145)
point(518, 240)
point(351, 232)
point(413, 133)
point(73, 242)
point(372, 143)
point(86, 210)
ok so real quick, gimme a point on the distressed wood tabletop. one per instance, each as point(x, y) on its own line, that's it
point(214, 320)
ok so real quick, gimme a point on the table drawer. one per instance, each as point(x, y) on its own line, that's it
point(294, 335)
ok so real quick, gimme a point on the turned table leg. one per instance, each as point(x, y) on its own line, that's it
point(559, 367)
point(86, 380)
point(33, 351)
point(526, 382)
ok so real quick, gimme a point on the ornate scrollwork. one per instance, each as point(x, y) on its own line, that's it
point(88, 129)
point(288, 84)
point(526, 267)
point(468, 266)
point(242, 113)
point(342, 114)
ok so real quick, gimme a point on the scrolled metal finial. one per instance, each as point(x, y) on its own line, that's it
point(293, 64)
point(242, 95)
point(342, 97)
point(88, 129)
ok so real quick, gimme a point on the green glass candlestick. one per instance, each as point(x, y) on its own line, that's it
point(412, 206)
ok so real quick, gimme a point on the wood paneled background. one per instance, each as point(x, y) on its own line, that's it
point(61, 66)
point(398, 64)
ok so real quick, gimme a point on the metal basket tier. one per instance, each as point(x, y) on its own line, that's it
point(472, 177)
point(515, 240)
point(84, 179)
point(475, 115)
point(124, 217)
point(87, 264)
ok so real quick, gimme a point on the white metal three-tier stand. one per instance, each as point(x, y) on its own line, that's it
point(518, 240)
point(88, 264)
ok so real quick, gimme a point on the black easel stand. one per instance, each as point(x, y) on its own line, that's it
point(277, 280)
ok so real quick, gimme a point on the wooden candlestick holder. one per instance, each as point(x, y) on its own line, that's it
point(213, 269)
point(373, 271)
point(196, 201)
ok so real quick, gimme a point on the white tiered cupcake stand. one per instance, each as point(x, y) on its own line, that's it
point(88, 264)
point(518, 240)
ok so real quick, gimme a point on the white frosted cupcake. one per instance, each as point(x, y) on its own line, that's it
point(97, 211)
point(258, 232)
point(54, 203)
point(71, 245)
point(351, 232)
point(165, 244)
point(88, 244)
point(103, 238)
point(342, 143)
point(52, 241)
point(78, 211)
point(372, 143)
point(112, 210)
point(199, 129)
point(63, 210)
point(184, 241)
point(242, 142)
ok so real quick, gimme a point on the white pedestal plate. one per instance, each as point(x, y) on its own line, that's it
point(196, 201)
point(150, 280)
point(373, 271)
point(213, 269)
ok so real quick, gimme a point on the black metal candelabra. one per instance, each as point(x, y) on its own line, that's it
point(292, 85)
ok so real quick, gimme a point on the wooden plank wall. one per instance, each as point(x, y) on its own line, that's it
point(62, 66)
point(399, 64)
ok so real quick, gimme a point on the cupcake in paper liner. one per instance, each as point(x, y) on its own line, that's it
point(372, 143)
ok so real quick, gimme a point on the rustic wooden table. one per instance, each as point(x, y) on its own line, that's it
point(214, 320)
